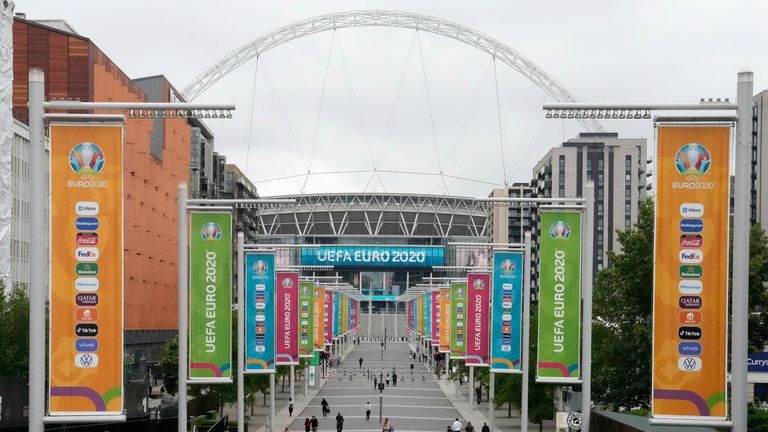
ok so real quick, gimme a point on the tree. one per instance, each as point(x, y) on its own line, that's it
point(758, 296)
point(14, 332)
point(622, 307)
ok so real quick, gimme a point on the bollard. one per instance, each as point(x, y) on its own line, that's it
point(423, 378)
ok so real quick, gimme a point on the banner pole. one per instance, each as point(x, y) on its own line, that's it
point(586, 347)
point(37, 252)
point(526, 332)
point(182, 308)
point(741, 228)
point(240, 331)
point(471, 388)
point(491, 398)
point(272, 402)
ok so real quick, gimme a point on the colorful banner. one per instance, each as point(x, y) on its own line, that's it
point(336, 313)
point(507, 312)
point(344, 315)
point(86, 256)
point(259, 312)
point(328, 317)
point(690, 306)
point(478, 297)
point(354, 315)
point(559, 297)
point(210, 296)
point(287, 322)
point(306, 318)
point(435, 302)
point(445, 320)
point(427, 315)
point(458, 319)
point(318, 320)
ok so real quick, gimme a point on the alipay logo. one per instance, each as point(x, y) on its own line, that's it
point(559, 230)
point(87, 208)
point(692, 210)
point(86, 158)
point(210, 231)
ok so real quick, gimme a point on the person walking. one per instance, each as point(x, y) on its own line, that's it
point(360, 361)
point(387, 426)
point(467, 428)
point(394, 379)
point(375, 383)
point(326, 409)
point(479, 394)
point(314, 424)
point(290, 407)
point(485, 428)
point(456, 426)
point(339, 422)
point(367, 411)
point(307, 424)
point(387, 379)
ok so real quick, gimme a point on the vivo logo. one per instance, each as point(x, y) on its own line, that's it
point(87, 208)
point(87, 284)
point(691, 225)
point(689, 348)
point(691, 256)
point(687, 286)
point(86, 345)
point(88, 254)
point(691, 241)
point(692, 210)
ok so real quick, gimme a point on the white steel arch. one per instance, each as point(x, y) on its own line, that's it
point(383, 18)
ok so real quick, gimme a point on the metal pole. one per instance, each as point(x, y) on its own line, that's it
point(182, 291)
point(293, 389)
point(37, 258)
point(586, 347)
point(381, 405)
point(741, 228)
point(272, 402)
point(471, 388)
point(370, 305)
point(240, 331)
point(447, 360)
point(491, 398)
point(526, 331)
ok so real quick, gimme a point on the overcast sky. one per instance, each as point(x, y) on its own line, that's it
point(375, 110)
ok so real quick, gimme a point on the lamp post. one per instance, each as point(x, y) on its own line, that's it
point(381, 399)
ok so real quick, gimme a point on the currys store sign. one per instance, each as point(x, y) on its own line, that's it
point(757, 362)
point(374, 256)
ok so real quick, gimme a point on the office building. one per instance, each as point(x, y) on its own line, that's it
point(758, 200)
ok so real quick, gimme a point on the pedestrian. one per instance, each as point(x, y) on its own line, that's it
point(290, 407)
point(339, 422)
point(456, 426)
point(375, 382)
point(360, 361)
point(387, 379)
point(307, 424)
point(285, 429)
point(314, 424)
point(326, 409)
point(485, 428)
point(387, 427)
point(394, 379)
point(467, 428)
point(479, 394)
point(367, 411)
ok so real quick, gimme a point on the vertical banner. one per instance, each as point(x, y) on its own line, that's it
point(210, 296)
point(353, 314)
point(328, 317)
point(458, 320)
point(336, 313)
point(506, 312)
point(318, 320)
point(445, 320)
point(306, 318)
point(259, 312)
point(408, 312)
point(690, 297)
point(85, 370)
point(559, 297)
point(287, 322)
point(428, 315)
point(343, 319)
point(435, 302)
point(478, 297)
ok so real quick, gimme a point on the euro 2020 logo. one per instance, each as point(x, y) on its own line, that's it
point(507, 266)
point(86, 159)
point(478, 284)
point(692, 159)
point(260, 267)
point(287, 283)
point(210, 231)
point(559, 230)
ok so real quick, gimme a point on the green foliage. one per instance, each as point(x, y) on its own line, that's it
point(622, 308)
point(757, 419)
point(14, 332)
point(169, 366)
point(758, 295)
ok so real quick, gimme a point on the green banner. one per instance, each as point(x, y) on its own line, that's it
point(306, 322)
point(458, 320)
point(210, 296)
point(559, 297)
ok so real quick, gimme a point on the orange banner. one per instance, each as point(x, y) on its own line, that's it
point(691, 272)
point(445, 320)
point(86, 297)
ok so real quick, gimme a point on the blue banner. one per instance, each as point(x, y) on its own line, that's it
point(374, 256)
point(259, 313)
point(336, 313)
point(506, 312)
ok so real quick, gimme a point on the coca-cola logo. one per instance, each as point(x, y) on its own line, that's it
point(87, 239)
point(691, 241)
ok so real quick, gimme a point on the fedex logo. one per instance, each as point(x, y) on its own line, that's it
point(691, 256)
point(87, 254)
